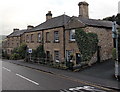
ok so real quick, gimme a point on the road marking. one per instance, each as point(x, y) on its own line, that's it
point(6, 69)
point(69, 78)
point(27, 79)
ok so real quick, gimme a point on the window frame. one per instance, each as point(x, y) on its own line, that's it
point(47, 37)
point(56, 56)
point(39, 38)
point(27, 38)
point(71, 35)
point(56, 36)
point(68, 53)
point(32, 38)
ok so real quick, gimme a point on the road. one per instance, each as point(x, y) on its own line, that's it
point(16, 77)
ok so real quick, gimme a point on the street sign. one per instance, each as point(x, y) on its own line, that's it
point(29, 50)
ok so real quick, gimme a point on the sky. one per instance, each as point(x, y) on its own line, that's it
point(21, 13)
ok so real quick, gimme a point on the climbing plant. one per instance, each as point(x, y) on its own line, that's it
point(87, 43)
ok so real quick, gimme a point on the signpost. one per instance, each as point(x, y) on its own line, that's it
point(115, 35)
point(30, 51)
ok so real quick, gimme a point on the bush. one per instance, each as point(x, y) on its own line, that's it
point(19, 52)
point(39, 52)
point(15, 56)
point(114, 53)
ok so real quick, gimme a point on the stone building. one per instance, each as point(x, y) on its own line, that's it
point(50, 34)
point(13, 40)
point(101, 28)
point(57, 35)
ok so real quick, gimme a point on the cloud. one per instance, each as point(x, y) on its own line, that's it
point(20, 13)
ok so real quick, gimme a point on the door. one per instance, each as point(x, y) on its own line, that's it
point(78, 58)
point(98, 54)
point(48, 55)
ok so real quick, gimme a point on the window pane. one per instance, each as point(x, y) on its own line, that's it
point(31, 37)
point(68, 53)
point(47, 36)
point(39, 37)
point(72, 35)
point(56, 36)
point(56, 56)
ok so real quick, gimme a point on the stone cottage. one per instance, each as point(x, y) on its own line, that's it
point(57, 35)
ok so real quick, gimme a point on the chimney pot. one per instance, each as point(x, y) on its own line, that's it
point(15, 29)
point(30, 27)
point(48, 15)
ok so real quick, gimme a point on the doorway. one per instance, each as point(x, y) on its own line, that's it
point(78, 58)
point(48, 55)
point(98, 53)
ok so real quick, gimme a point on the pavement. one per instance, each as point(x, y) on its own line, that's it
point(100, 74)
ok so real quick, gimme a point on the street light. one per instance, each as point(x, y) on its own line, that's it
point(115, 35)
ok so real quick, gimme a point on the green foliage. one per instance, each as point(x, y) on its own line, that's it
point(5, 55)
point(114, 53)
point(15, 56)
point(87, 43)
point(114, 18)
point(39, 52)
point(21, 51)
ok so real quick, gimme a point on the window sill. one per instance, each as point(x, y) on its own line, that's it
point(72, 41)
point(39, 41)
point(56, 41)
point(32, 41)
point(47, 41)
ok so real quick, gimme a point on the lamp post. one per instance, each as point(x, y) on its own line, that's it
point(115, 35)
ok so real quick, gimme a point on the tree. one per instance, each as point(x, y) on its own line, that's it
point(114, 18)
point(19, 52)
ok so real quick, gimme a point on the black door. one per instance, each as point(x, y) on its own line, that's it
point(98, 54)
point(78, 58)
point(48, 55)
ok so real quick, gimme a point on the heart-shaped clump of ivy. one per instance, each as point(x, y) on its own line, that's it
point(87, 43)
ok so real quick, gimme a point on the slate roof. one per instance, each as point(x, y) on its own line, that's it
point(17, 33)
point(94, 22)
point(51, 23)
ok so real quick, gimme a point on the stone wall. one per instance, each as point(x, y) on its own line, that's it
point(33, 44)
point(51, 45)
point(105, 41)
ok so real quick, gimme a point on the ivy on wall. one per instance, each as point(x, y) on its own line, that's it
point(87, 43)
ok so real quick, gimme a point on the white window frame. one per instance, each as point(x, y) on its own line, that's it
point(68, 53)
point(56, 36)
point(39, 37)
point(57, 57)
point(71, 35)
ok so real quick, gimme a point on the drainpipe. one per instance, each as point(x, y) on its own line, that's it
point(64, 41)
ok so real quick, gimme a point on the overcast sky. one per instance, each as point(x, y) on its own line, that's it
point(20, 13)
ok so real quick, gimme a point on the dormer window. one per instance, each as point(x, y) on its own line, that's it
point(72, 35)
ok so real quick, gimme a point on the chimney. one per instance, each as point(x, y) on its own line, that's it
point(30, 27)
point(15, 29)
point(83, 9)
point(48, 15)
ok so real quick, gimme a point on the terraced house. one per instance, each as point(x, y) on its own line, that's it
point(57, 35)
